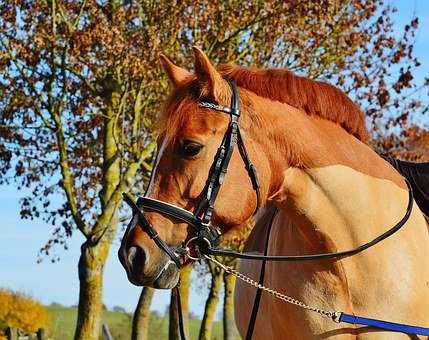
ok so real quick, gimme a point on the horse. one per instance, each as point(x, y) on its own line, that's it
point(324, 187)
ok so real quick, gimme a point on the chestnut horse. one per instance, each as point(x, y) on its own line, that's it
point(332, 192)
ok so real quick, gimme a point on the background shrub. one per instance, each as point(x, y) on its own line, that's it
point(21, 311)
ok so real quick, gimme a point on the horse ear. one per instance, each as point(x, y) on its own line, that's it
point(176, 74)
point(213, 83)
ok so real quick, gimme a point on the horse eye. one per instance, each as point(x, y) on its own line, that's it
point(189, 148)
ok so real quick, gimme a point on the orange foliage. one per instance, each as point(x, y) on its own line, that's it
point(411, 145)
point(20, 311)
point(419, 146)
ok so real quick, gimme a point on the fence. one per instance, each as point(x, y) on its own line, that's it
point(17, 334)
point(106, 332)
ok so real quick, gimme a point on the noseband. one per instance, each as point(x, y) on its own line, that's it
point(206, 235)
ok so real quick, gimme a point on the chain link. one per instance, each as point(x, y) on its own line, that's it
point(329, 314)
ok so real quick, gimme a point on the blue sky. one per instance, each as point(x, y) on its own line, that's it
point(49, 282)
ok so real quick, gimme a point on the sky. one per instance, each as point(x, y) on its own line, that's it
point(20, 240)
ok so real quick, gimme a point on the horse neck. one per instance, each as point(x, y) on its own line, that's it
point(321, 177)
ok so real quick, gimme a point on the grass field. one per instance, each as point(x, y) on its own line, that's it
point(64, 320)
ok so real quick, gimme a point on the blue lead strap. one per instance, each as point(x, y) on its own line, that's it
point(391, 326)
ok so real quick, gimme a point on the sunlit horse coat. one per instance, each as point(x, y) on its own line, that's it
point(332, 192)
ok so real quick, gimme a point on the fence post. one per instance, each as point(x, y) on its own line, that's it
point(106, 332)
point(11, 333)
point(41, 334)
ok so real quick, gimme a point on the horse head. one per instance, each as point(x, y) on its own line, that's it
point(188, 145)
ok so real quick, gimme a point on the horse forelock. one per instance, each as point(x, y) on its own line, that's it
point(183, 104)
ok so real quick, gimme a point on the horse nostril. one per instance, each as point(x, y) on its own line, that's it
point(136, 258)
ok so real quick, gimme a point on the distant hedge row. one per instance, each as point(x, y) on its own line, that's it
point(21, 311)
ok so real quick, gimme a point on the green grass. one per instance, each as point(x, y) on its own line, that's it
point(64, 320)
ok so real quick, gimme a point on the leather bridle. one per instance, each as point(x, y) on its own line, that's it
point(207, 237)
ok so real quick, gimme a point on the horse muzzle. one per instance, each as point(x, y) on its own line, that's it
point(164, 274)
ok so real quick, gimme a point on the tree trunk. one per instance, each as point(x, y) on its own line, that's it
point(185, 283)
point(211, 303)
point(94, 252)
point(173, 325)
point(142, 315)
point(91, 267)
point(229, 327)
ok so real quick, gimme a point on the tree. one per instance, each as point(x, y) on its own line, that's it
point(21, 311)
point(235, 239)
point(173, 317)
point(79, 91)
point(119, 309)
point(75, 116)
point(410, 144)
point(418, 145)
point(229, 327)
point(142, 315)
point(211, 302)
point(184, 287)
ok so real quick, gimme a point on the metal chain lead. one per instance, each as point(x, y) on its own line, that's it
point(329, 314)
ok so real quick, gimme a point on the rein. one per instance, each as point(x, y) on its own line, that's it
point(207, 237)
point(325, 256)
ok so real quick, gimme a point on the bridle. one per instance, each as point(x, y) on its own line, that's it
point(207, 238)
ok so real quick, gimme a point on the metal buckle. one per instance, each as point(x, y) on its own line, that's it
point(196, 247)
point(336, 317)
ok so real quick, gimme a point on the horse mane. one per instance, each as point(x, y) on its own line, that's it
point(316, 98)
